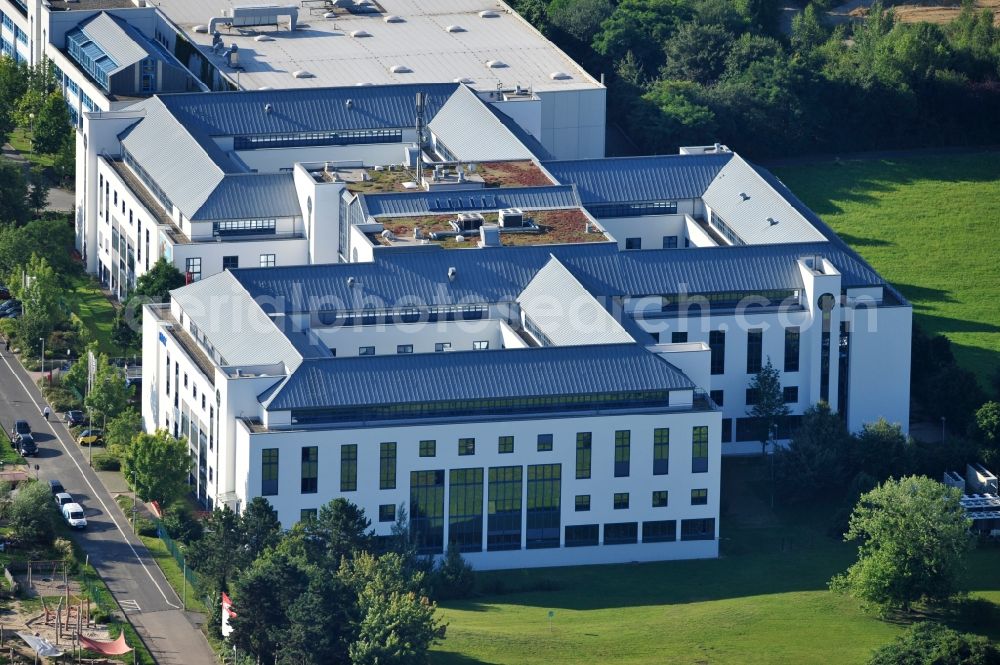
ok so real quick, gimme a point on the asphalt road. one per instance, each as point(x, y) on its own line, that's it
point(118, 555)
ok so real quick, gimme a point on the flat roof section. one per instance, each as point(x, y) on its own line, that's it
point(425, 40)
point(554, 227)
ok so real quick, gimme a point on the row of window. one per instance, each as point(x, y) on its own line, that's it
point(192, 265)
point(755, 349)
point(300, 139)
point(485, 406)
point(790, 395)
point(699, 497)
point(467, 447)
point(244, 227)
point(433, 314)
point(669, 242)
point(627, 533)
point(636, 209)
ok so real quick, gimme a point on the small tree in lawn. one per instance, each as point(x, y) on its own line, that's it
point(157, 465)
point(914, 538)
point(39, 292)
point(38, 193)
point(52, 124)
point(769, 402)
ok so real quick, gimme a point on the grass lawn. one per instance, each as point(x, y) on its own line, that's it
point(87, 301)
point(927, 224)
point(20, 138)
point(7, 454)
point(763, 601)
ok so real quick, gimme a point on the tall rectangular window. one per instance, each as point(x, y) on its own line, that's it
point(660, 498)
point(755, 350)
point(387, 465)
point(267, 260)
point(583, 455)
point(349, 467)
point(582, 503)
point(699, 449)
point(427, 511)
point(544, 493)
point(193, 268)
point(307, 514)
point(544, 443)
point(503, 524)
point(792, 339)
point(505, 444)
point(310, 469)
point(717, 348)
point(621, 500)
point(269, 472)
point(466, 446)
point(428, 448)
point(718, 396)
point(387, 512)
point(699, 497)
point(623, 453)
point(465, 509)
point(790, 394)
point(661, 451)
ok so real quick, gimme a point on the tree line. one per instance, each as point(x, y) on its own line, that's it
point(690, 72)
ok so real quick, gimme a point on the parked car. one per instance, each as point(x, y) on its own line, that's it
point(91, 437)
point(73, 514)
point(20, 427)
point(11, 312)
point(56, 487)
point(63, 498)
point(26, 445)
point(10, 304)
point(75, 418)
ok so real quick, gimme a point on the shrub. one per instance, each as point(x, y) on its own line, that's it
point(105, 462)
point(453, 577)
point(145, 526)
point(181, 524)
point(928, 642)
point(61, 399)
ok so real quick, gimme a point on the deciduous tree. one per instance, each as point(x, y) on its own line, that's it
point(913, 535)
point(52, 124)
point(108, 394)
point(769, 402)
point(157, 466)
point(33, 514)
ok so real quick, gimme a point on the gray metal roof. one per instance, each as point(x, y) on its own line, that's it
point(752, 208)
point(303, 110)
point(565, 312)
point(633, 179)
point(401, 204)
point(500, 274)
point(472, 133)
point(437, 377)
point(252, 196)
point(116, 38)
point(190, 171)
point(239, 329)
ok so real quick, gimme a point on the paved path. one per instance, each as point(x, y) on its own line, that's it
point(60, 200)
point(118, 555)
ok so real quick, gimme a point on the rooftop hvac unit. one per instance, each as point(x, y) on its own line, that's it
point(469, 221)
point(511, 218)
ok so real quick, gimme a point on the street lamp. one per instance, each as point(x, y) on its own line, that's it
point(42, 340)
point(31, 128)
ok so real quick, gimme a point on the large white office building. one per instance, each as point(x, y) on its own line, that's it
point(542, 361)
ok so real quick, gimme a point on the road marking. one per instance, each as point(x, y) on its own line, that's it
point(92, 489)
point(130, 605)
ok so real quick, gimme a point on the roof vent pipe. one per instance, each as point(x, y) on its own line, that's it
point(349, 103)
point(744, 196)
point(452, 274)
point(350, 281)
point(268, 108)
point(772, 221)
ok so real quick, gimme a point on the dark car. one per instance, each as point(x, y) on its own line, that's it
point(10, 304)
point(56, 487)
point(26, 445)
point(75, 418)
point(21, 427)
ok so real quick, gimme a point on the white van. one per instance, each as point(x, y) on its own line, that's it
point(73, 514)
